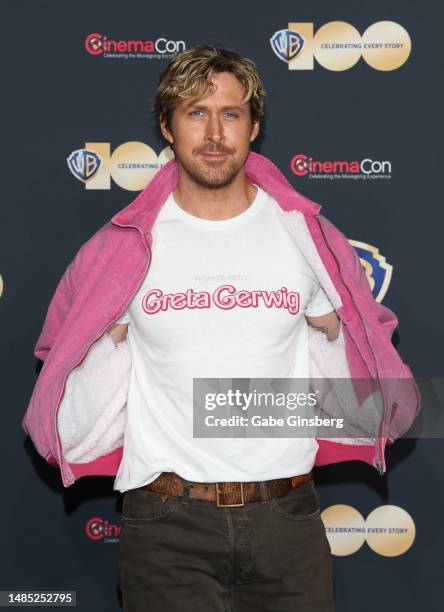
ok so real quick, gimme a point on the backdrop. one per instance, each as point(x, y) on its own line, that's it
point(353, 120)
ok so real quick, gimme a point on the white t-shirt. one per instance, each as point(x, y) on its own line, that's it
point(221, 299)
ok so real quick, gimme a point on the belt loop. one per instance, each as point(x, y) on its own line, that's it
point(186, 491)
point(264, 492)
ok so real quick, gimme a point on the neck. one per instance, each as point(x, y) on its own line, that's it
point(214, 204)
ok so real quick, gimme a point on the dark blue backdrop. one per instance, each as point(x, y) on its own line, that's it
point(57, 97)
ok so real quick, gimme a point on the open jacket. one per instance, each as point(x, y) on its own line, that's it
point(109, 268)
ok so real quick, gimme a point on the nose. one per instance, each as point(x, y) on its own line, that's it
point(215, 129)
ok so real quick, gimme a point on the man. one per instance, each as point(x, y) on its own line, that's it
point(219, 269)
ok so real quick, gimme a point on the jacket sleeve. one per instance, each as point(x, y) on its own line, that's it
point(56, 314)
point(354, 269)
point(403, 391)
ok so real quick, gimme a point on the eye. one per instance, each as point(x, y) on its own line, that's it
point(192, 113)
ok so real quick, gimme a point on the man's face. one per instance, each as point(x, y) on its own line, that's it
point(212, 135)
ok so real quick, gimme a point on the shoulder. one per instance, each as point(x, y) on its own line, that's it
point(330, 229)
point(338, 242)
point(100, 247)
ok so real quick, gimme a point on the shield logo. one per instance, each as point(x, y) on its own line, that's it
point(286, 44)
point(84, 164)
point(379, 272)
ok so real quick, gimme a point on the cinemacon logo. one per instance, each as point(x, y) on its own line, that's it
point(97, 528)
point(302, 164)
point(96, 44)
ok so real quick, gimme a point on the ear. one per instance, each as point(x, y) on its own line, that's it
point(165, 131)
point(254, 131)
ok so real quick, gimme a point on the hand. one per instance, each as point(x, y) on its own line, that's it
point(329, 323)
point(118, 331)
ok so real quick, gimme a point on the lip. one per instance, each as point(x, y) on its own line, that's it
point(214, 155)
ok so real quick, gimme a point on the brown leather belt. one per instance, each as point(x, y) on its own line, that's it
point(226, 494)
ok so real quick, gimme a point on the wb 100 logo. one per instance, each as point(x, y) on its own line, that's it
point(131, 165)
point(338, 45)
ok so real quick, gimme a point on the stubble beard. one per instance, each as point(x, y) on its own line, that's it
point(214, 174)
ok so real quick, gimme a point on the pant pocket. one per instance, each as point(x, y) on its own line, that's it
point(300, 504)
point(140, 506)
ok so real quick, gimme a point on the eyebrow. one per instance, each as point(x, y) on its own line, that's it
point(203, 107)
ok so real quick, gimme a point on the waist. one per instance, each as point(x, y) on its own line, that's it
point(226, 494)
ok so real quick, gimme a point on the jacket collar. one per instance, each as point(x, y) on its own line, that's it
point(142, 211)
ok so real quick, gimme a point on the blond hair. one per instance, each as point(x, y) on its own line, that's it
point(189, 73)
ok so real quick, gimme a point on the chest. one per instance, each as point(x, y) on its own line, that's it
point(246, 281)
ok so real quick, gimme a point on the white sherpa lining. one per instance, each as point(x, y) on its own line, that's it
point(91, 415)
point(296, 225)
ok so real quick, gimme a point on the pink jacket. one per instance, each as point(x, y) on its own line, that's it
point(109, 268)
